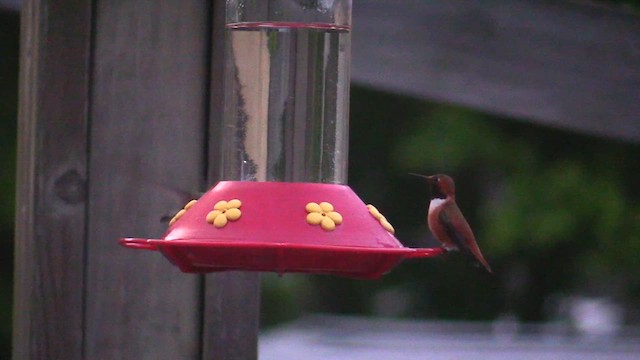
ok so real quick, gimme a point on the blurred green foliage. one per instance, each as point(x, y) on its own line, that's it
point(546, 194)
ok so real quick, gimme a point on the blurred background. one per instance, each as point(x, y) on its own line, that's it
point(9, 43)
point(556, 213)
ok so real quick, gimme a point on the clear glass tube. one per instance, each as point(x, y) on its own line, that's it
point(286, 90)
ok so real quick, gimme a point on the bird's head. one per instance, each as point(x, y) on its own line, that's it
point(442, 186)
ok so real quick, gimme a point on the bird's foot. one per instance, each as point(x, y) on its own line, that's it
point(449, 248)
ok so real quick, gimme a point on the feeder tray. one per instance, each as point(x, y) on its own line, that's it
point(281, 227)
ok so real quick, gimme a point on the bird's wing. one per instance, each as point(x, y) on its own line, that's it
point(458, 229)
point(455, 226)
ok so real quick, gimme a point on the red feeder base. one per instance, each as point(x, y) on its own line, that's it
point(281, 227)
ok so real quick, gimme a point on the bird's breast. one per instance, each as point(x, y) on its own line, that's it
point(435, 203)
point(436, 226)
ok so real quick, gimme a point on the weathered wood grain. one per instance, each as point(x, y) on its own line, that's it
point(52, 172)
point(147, 134)
point(231, 316)
point(232, 299)
point(568, 64)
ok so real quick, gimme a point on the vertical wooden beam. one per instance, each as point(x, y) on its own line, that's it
point(83, 184)
point(147, 134)
point(232, 314)
point(52, 172)
point(232, 299)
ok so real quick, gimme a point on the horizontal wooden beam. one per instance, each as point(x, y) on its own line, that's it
point(566, 64)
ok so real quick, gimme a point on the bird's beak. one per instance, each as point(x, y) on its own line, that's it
point(429, 178)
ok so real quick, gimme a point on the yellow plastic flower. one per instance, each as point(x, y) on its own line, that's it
point(183, 211)
point(383, 220)
point(223, 212)
point(323, 214)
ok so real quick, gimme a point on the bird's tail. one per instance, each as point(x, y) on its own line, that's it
point(474, 252)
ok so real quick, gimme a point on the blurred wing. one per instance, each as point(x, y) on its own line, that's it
point(182, 196)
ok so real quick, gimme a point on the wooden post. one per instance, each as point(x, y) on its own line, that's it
point(52, 171)
point(232, 299)
point(148, 117)
point(114, 124)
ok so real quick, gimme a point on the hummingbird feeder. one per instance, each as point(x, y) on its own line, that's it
point(281, 227)
point(284, 207)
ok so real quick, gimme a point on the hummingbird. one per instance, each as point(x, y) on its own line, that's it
point(446, 221)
